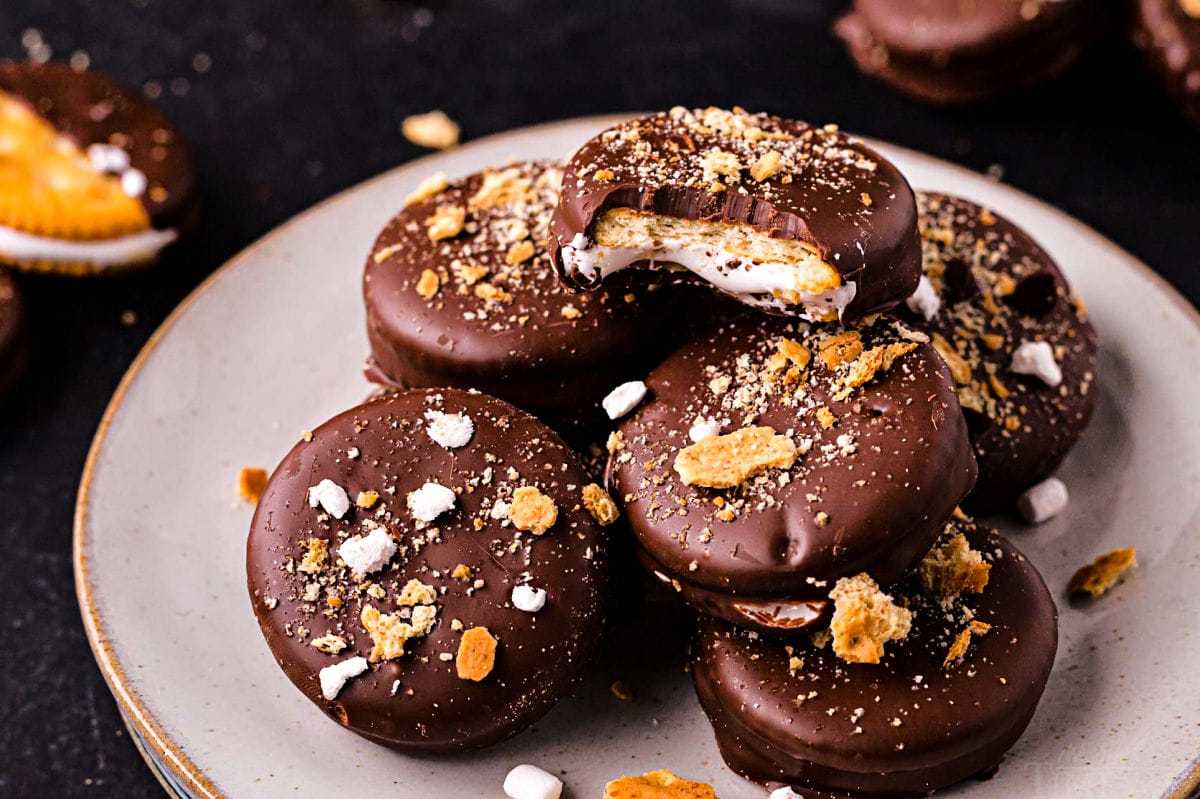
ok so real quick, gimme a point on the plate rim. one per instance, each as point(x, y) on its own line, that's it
point(153, 742)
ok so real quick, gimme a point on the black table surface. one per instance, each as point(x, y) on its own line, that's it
point(288, 101)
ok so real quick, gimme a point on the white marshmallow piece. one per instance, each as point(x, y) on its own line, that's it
point(430, 501)
point(528, 598)
point(335, 677)
point(369, 553)
point(704, 428)
point(784, 792)
point(1043, 501)
point(330, 496)
point(1037, 358)
point(925, 300)
point(108, 158)
point(449, 430)
point(624, 398)
point(133, 182)
point(530, 782)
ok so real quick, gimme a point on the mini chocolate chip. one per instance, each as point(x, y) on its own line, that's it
point(1035, 295)
point(960, 281)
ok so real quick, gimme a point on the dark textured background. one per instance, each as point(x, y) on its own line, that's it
point(305, 97)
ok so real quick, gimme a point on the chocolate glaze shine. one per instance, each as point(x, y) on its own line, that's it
point(886, 477)
point(954, 722)
point(14, 342)
point(656, 167)
point(548, 350)
point(90, 108)
point(998, 288)
point(540, 656)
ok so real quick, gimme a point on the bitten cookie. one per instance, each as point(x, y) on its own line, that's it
point(776, 213)
point(14, 345)
point(1168, 34)
point(771, 458)
point(910, 691)
point(93, 178)
point(1016, 339)
point(460, 292)
point(429, 570)
point(950, 52)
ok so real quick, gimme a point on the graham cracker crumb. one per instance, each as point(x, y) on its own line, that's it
point(600, 504)
point(1097, 577)
point(840, 348)
point(366, 499)
point(864, 619)
point(251, 482)
point(953, 568)
point(662, 784)
point(532, 510)
point(389, 633)
point(719, 162)
point(491, 293)
point(725, 461)
point(428, 284)
point(870, 363)
point(329, 644)
point(416, 592)
point(434, 130)
point(960, 370)
point(519, 253)
point(431, 186)
point(476, 654)
point(826, 417)
point(766, 166)
point(446, 223)
point(604, 174)
point(462, 572)
point(315, 556)
point(959, 647)
point(571, 312)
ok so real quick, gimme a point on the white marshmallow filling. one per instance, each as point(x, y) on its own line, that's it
point(99, 253)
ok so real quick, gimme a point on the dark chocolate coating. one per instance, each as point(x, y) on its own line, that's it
point(804, 729)
point(874, 245)
point(886, 501)
point(14, 343)
point(1169, 38)
point(950, 52)
point(525, 351)
point(1021, 438)
point(90, 108)
point(540, 656)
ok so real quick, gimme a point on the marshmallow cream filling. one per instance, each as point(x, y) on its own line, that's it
point(120, 251)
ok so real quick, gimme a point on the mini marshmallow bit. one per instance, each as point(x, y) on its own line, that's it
point(925, 300)
point(528, 598)
point(450, 430)
point(133, 182)
point(624, 398)
point(330, 496)
point(335, 677)
point(530, 782)
point(704, 428)
point(370, 553)
point(1037, 358)
point(784, 792)
point(430, 501)
point(1043, 501)
point(108, 158)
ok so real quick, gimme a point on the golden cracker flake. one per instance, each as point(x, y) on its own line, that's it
point(953, 568)
point(720, 162)
point(661, 784)
point(428, 284)
point(416, 592)
point(501, 187)
point(315, 556)
point(446, 222)
point(766, 166)
point(834, 350)
point(725, 461)
point(476, 654)
point(1096, 578)
point(600, 504)
point(251, 483)
point(877, 360)
point(434, 130)
point(519, 253)
point(389, 633)
point(367, 499)
point(960, 370)
point(963, 640)
point(865, 619)
point(492, 293)
point(532, 511)
point(431, 186)
point(330, 644)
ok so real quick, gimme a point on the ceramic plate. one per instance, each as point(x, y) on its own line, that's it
point(273, 344)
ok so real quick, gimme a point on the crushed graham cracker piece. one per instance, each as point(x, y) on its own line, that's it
point(531, 510)
point(766, 166)
point(330, 644)
point(431, 186)
point(621, 691)
point(963, 640)
point(953, 568)
point(865, 619)
point(366, 499)
point(839, 348)
point(519, 253)
point(462, 572)
point(720, 162)
point(476, 654)
point(500, 187)
point(960, 370)
point(870, 363)
point(725, 461)
point(315, 556)
point(570, 312)
point(470, 274)
point(446, 222)
point(416, 592)
point(389, 633)
point(866, 199)
point(600, 504)
point(492, 293)
point(1096, 578)
point(428, 284)
point(604, 174)
point(661, 784)
point(434, 130)
point(251, 482)
point(826, 417)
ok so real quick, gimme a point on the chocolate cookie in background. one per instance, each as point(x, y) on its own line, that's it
point(950, 52)
point(1017, 341)
point(14, 343)
point(93, 177)
point(772, 457)
point(430, 568)
point(1168, 34)
point(967, 641)
point(778, 214)
point(460, 292)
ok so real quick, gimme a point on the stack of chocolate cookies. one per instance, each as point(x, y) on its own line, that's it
point(802, 371)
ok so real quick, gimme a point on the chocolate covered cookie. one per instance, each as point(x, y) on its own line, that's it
point(1168, 34)
point(1016, 339)
point(92, 177)
point(429, 569)
point(460, 292)
point(951, 52)
point(14, 346)
point(778, 214)
point(772, 457)
point(974, 638)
